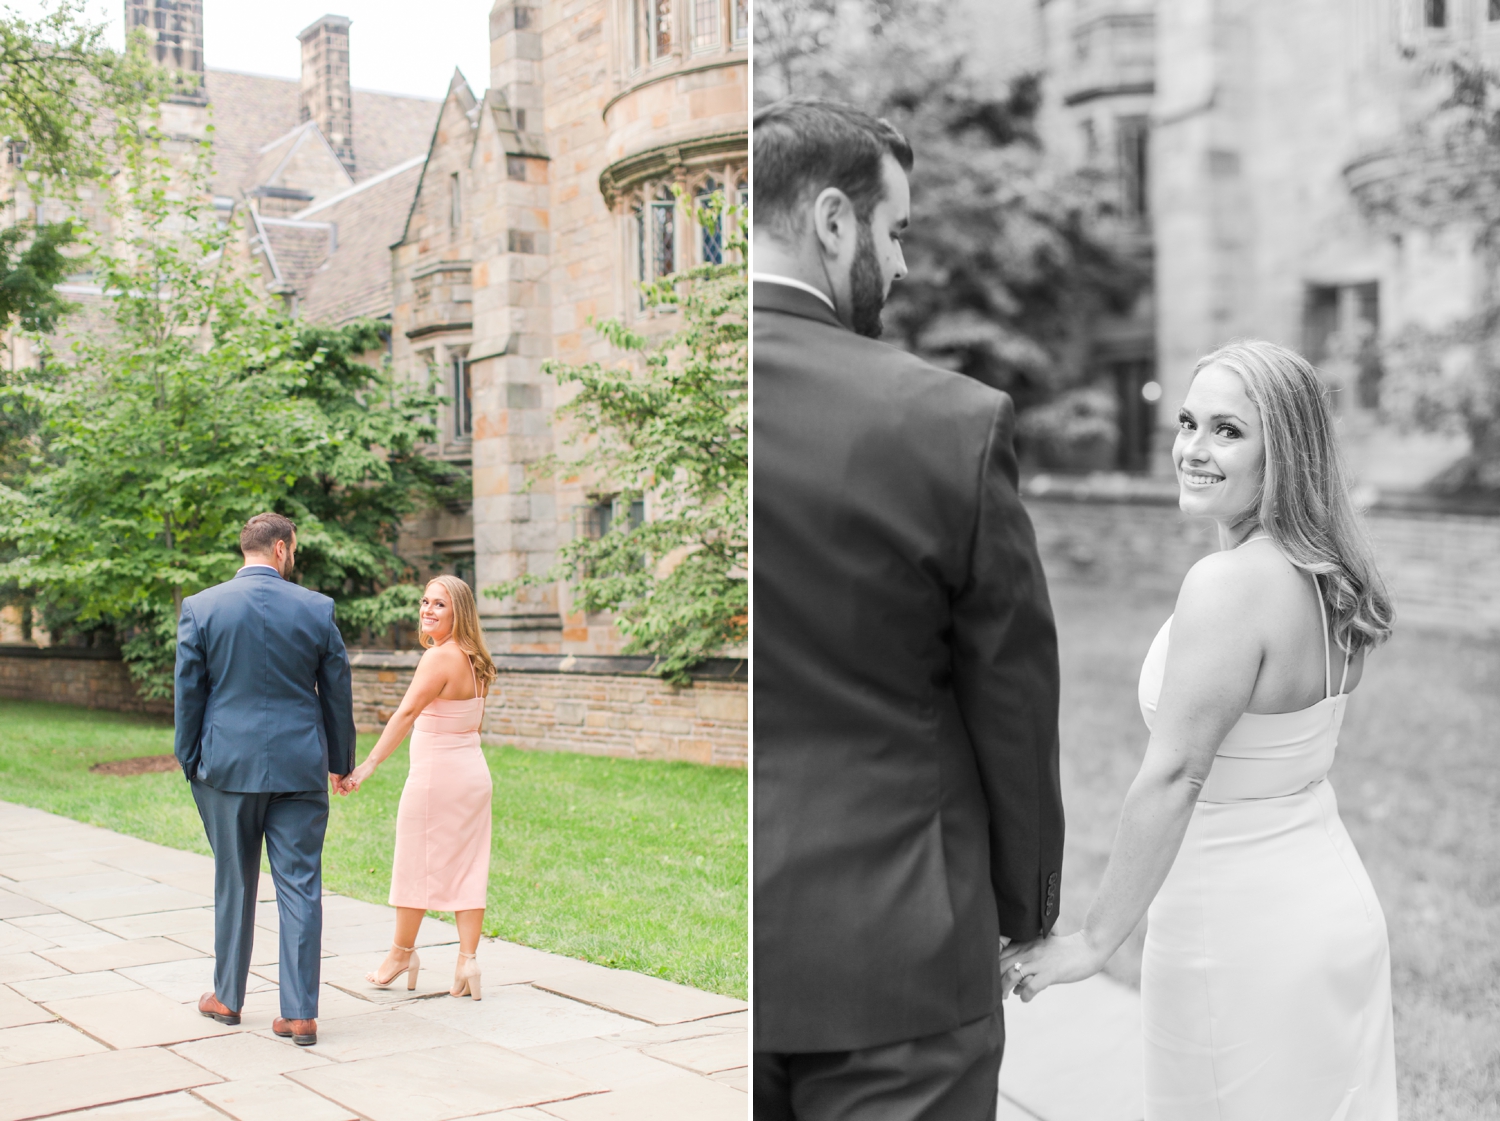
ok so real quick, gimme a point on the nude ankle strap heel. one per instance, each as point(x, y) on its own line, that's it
point(410, 969)
point(466, 980)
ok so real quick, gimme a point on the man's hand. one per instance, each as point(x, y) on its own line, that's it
point(339, 783)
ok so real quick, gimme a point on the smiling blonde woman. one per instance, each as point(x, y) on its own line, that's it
point(1265, 981)
point(442, 858)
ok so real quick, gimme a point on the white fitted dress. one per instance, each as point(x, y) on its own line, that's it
point(1266, 978)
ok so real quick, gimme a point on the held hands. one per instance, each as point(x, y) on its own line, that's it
point(1027, 968)
point(348, 784)
point(357, 776)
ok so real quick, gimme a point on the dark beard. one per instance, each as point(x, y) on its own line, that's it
point(865, 288)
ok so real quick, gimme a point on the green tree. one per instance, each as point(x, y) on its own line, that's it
point(1443, 172)
point(196, 406)
point(60, 84)
point(671, 426)
point(1009, 260)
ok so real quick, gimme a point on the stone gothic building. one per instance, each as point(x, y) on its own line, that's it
point(1238, 133)
point(543, 202)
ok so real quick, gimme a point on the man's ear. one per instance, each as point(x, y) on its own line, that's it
point(833, 219)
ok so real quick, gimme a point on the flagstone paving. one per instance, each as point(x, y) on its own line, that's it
point(106, 943)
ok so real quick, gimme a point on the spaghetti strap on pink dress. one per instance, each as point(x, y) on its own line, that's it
point(442, 860)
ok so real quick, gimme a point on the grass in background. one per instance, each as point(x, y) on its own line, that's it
point(631, 864)
point(1418, 787)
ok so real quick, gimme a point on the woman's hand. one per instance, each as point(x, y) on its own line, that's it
point(1030, 967)
point(357, 776)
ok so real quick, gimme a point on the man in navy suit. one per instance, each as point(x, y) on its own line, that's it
point(265, 718)
point(908, 817)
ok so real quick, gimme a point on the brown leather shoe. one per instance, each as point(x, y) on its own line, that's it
point(304, 1033)
point(211, 1006)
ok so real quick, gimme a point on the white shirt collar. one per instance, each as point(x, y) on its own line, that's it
point(773, 278)
point(248, 567)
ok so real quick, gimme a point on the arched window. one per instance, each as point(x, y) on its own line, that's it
point(711, 237)
point(663, 233)
point(705, 24)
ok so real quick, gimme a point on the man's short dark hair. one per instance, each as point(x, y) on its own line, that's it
point(263, 531)
point(804, 145)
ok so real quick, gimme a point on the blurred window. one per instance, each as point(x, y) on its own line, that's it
point(463, 394)
point(1435, 13)
point(741, 20)
point(711, 246)
point(1494, 13)
point(1341, 325)
point(705, 24)
point(663, 233)
point(1134, 139)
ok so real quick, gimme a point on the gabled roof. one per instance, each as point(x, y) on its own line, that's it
point(356, 279)
point(459, 93)
point(319, 168)
point(251, 111)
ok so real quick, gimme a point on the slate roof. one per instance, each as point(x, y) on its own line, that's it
point(251, 111)
point(368, 218)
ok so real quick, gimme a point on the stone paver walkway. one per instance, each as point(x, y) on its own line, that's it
point(106, 942)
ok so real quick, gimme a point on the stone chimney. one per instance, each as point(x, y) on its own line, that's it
point(325, 84)
point(174, 30)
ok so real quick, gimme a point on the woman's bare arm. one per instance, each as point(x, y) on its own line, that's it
point(427, 683)
point(1213, 661)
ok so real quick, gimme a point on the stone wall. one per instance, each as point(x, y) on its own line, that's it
point(596, 706)
point(1442, 566)
point(72, 676)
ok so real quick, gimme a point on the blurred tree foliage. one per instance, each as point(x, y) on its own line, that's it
point(1444, 173)
point(1010, 259)
point(193, 407)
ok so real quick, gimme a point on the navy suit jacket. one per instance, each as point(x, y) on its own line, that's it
point(263, 696)
point(907, 805)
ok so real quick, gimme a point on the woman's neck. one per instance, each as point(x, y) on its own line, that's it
point(1234, 534)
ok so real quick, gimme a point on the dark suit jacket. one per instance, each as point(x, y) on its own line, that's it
point(263, 696)
point(907, 806)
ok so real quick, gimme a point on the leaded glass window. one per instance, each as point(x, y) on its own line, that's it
point(705, 24)
point(663, 233)
point(741, 20)
point(711, 245)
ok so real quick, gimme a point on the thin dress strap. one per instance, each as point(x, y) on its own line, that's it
point(1323, 615)
point(473, 674)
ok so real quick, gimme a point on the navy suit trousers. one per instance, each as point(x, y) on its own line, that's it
point(950, 1076)
point(292, 825)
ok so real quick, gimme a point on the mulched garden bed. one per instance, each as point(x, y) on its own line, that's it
point(139, 765)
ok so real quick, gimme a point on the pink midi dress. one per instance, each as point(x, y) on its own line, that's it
point(442, 860)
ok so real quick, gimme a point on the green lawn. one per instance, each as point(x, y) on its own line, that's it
point(637, 865)
point(1418, 782)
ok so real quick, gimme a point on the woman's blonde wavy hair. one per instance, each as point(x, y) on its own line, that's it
point(1304, 503)
point(466, 632)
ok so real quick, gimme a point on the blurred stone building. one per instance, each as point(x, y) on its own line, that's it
point(1237, 133)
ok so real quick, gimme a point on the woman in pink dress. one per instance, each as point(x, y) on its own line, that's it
point(442, 860)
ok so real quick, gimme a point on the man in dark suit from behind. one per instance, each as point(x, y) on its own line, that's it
point(265, 719)
point(908, 819)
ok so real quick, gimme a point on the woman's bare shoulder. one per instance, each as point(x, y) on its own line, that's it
point(1236, 586)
